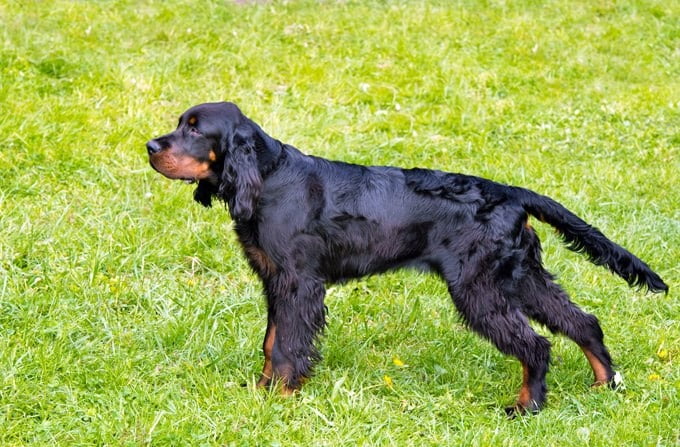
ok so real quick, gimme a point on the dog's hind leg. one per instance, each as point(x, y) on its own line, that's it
point(490, 314)
point(546, 302)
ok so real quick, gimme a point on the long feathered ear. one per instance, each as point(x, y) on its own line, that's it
point(241, 183)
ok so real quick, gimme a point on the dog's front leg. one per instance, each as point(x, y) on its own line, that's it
point(267, 347)
point(298, 319)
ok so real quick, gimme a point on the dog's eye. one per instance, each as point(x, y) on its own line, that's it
point(194, 131)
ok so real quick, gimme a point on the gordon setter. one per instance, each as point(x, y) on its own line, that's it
point(304, 222)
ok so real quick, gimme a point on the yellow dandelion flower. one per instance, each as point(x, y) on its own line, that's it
point(662, 354)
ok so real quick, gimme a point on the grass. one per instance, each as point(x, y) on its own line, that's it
point(128, 315)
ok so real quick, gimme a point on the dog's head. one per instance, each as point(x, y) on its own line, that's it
point(221, 149)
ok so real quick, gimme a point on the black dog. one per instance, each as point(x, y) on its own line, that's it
point(304, 222)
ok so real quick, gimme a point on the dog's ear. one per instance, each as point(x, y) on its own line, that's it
point(241, 182)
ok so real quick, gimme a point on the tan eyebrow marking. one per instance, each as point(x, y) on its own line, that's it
point(192, 121)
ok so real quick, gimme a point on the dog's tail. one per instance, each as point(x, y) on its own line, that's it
point(584, 238)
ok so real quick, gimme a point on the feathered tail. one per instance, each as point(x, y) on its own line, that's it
point(584, 238)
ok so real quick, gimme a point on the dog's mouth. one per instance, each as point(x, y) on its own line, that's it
point(185, 169)
point(187, 180)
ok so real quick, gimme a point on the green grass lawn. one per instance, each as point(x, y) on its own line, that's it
point(128, 315)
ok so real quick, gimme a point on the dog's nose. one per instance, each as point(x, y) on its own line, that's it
point(153, 147)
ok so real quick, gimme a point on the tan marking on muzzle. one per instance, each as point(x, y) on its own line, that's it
point(180, 167)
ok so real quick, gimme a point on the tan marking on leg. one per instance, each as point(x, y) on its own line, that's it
point(262, 263)
point(599, 369)
point(267, 347)
point(524, 399)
